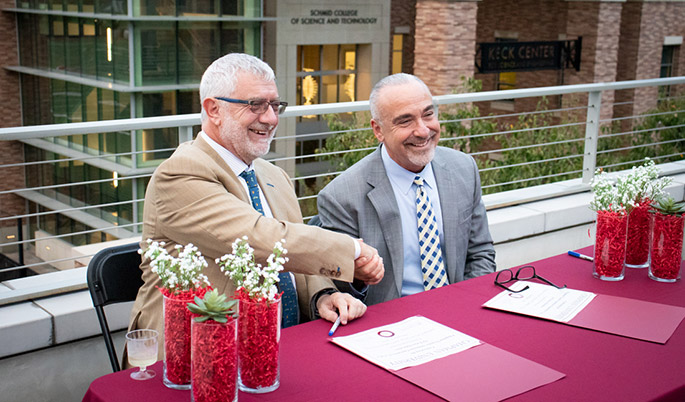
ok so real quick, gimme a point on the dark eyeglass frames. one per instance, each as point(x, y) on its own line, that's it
point(525, 273)
point(258, 106)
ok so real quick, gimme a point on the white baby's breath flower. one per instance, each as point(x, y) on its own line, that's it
point(177, 274)
point(640, 185)
point(606, 196)
point(259, 282)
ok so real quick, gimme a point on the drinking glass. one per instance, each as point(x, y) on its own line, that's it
point(141, 346)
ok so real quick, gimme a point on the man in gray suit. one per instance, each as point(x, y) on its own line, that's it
point(407, 194)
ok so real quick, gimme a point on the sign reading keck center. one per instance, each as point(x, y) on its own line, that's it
point(529, 56)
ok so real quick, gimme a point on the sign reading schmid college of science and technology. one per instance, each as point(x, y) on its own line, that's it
point(529, 56)
point(337, 16)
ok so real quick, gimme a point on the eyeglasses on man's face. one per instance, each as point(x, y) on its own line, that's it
point(258, 106)
point(524, 273)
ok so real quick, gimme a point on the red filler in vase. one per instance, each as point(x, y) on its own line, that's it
point(214, 348)
point(668, 220)
point(182, 280)
point(259, 324)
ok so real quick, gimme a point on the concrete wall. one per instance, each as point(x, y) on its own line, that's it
point(57, 374)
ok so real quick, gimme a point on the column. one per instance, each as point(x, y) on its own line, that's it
point(599, 23)
point(445, 42)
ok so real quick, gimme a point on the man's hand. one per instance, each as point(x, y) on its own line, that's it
point(369, 266)
point(348, 307)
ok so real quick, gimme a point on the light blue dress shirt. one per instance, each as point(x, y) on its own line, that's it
point(403, 186)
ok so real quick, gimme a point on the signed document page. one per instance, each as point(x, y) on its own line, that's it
point(411, 342)
point(542, 301)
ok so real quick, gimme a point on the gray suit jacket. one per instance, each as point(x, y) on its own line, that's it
point(360, 202)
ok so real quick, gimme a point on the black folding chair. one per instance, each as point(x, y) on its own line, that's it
point(113, 277)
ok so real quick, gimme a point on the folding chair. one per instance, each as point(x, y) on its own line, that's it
point(113, 277)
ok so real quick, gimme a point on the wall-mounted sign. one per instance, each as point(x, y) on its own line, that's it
point(498, 57)
point(330, 16)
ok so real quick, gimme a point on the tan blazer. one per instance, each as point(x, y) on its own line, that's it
point(194, 197)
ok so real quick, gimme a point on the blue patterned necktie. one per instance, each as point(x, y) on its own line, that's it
point(289, 299)
point(432, 267)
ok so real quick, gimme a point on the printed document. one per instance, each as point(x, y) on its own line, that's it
point(542, 301)
point(407, 343)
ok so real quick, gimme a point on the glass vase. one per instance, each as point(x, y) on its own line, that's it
point(214, 361)
point(667, 247)
point(637, 243)
point(259, 335)
point(610, 246)
point(177, 341)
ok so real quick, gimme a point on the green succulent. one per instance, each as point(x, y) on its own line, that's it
point(214, 306)
point(668, 206)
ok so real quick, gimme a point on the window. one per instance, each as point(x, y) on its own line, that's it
point(668, 57)
point(397, 43)
point(326, 74)
point(505, 80)
point(308, 147)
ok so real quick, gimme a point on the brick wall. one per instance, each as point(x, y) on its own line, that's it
point(9, 81)
point(631, 17)
point(445, 43)
point(599, 24)
point(10, 151)
point(404, 15)
point(530, 20)
point(659, 19)
point(606, 60)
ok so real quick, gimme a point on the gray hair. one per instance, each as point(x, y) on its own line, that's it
point(391, 80)
point(220, 78)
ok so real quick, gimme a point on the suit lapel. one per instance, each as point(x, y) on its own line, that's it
point(383, 200)
point(226, 175)
point(232, 184)
point(447, 186)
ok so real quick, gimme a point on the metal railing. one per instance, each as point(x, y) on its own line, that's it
point(513, 150)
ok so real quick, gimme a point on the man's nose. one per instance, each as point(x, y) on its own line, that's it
point(422, 130)
point(269, 117)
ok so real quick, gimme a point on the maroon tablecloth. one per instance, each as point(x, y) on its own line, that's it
point(598, 366)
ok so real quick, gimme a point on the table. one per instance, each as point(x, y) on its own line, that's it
point(598, 366)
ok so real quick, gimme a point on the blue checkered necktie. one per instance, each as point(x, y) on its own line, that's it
point(432, 267)
point(289, 299)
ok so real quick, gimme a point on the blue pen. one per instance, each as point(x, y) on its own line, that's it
point(334, 327)
point(581, 256)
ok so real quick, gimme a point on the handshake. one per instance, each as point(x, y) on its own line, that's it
point(368, 267)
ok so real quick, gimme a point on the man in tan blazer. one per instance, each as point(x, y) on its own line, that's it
point(196, 196)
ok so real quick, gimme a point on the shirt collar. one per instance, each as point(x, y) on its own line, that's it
point(402, 178)
point(236, 165)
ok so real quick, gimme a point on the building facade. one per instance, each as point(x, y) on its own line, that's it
point(88, 60)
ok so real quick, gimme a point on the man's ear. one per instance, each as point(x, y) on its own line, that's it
point(213, 111)
point(377, 130)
